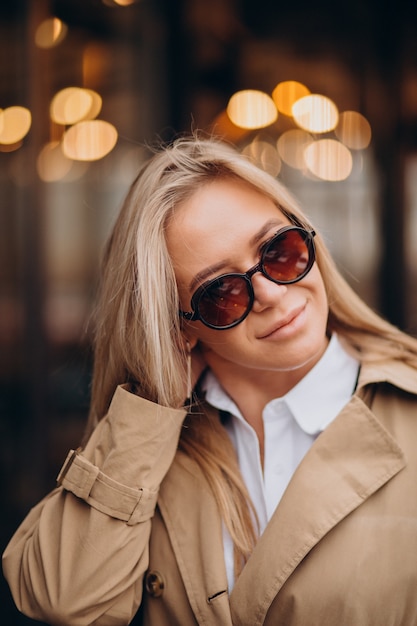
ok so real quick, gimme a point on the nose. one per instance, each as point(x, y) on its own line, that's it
point(266, 292)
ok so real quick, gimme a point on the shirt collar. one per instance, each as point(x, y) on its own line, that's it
point(320, 396)
point(316, 400)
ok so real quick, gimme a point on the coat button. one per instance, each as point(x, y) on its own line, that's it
point(154, 584)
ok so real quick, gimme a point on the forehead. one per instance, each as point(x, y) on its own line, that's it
point(219, 227)
point(222, 206)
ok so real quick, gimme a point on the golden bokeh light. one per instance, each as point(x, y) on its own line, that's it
point(252, 109)
point(96, 104)
point(222, 126)
point(291, 146)
point(50, 33)
point(287, 93)
point(328, 159)
point(89, 140)
point(52, 165)
point(15, 123)
point(12, 147)
point(75, 104)
point(315, 113)
point(120, 3)
point(264, 155)
point(353, 130)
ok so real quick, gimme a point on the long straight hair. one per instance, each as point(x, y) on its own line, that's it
point(137, 328)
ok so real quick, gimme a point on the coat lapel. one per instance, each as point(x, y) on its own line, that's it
point(349, 462)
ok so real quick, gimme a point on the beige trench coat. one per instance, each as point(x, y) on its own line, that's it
point(340, 550)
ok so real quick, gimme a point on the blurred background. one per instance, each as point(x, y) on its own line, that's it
point(323, 95)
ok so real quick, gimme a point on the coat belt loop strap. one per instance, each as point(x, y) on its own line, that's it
point(67, 464)
point(88, 482)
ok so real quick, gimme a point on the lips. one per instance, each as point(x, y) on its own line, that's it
point(284, 321)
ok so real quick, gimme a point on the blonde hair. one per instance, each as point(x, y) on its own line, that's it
point(137, 326)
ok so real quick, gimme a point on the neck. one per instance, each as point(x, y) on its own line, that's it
point(252, 393)
point(252, 389)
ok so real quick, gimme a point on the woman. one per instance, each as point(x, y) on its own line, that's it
point(281, 490)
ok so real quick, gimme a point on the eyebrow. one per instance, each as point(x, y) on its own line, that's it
point(272, 223)
point(200, 277)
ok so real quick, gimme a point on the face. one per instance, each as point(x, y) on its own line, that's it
point(220, 229)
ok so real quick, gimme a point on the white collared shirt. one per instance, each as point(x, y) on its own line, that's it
point(291, 425)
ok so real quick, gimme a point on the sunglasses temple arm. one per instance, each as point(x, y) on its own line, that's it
point(188, 315)
point(297, 222)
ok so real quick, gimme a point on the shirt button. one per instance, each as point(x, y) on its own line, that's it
point(154, 584)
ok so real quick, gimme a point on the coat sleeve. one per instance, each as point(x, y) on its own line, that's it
point(80, 555)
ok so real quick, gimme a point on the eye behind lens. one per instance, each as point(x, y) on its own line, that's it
point(288, 257)
point(224, 301)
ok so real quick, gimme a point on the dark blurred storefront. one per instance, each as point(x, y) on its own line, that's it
point(153, 69)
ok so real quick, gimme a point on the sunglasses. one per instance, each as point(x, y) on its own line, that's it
point(226, 300)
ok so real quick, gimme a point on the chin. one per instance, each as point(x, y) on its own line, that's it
point(307, 358)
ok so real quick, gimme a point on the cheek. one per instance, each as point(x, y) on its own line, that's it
point(316, 284)
point(322, 299)
point(213, 341)
point(317, 297)
point(209, 340)
point(184, 300)
point(184, 295)
point(190, 330)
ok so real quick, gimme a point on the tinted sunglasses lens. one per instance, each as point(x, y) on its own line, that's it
point(224, 301)
point(287, 258)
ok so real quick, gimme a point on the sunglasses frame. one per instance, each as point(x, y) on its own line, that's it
point(308, 236)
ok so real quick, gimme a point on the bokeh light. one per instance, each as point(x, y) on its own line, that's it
point(15, 123)
point(50, 33)
point(328, 159)
point(315, 113)
point(10, 147)
point(263, 154)
point(120, 3)
point(353, 130)
point(74, 104)
point(287, 93)
point(89, 140)
point(291, 146)
point(252, 109)
point(52, 164)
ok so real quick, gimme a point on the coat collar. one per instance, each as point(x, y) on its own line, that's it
point(396, 373)
point(335, 477)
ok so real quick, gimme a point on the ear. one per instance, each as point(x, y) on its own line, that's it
point(188, 335)
point(189, 340)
